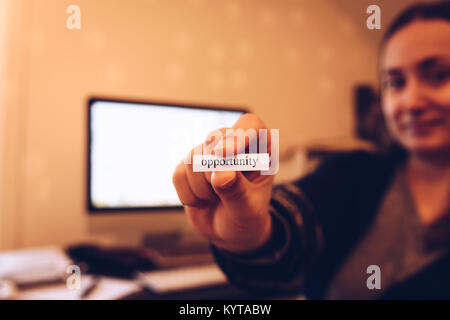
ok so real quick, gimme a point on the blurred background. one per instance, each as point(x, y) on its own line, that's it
point(295, 63)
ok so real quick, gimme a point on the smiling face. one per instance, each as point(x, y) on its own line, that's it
point(415, 81)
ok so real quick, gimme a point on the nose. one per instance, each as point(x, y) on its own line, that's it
point(413, 97)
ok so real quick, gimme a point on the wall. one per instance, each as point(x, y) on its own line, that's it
point(4, 28)
point(13, 89)
point(292, 62)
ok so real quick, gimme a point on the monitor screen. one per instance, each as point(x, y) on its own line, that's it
point(134, 148)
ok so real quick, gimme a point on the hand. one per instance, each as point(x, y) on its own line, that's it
point(228, 208)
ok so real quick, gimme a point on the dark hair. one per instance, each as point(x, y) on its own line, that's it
point(420, 11)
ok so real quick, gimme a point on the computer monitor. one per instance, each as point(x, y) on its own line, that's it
point(134, 147)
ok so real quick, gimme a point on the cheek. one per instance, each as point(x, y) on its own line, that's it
point(442, 98)
point(390, 112)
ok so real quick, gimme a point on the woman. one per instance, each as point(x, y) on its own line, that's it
point(358, 214)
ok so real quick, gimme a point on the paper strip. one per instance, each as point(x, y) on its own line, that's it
point(240, 162)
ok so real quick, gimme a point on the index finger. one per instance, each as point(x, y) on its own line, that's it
point(248, 127)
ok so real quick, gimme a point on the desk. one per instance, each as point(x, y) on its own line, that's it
point(106, 289)
point(167, 284)
point(117, 289)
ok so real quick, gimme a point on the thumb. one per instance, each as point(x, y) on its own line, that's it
point(232, 188)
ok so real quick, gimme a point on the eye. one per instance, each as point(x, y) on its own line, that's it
point(394, 83)
point(437, 77)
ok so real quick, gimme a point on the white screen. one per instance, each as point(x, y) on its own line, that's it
point(135, 148)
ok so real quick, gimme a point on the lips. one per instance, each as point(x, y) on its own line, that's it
point(422, 126)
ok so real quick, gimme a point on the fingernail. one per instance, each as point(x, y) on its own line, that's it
point(229, 182)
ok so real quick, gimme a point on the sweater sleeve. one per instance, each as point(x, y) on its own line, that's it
point(303, 216)
point(280, 266)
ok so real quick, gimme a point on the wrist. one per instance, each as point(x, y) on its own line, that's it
point(255, 243)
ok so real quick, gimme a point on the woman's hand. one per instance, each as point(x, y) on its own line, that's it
point(228, 208)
